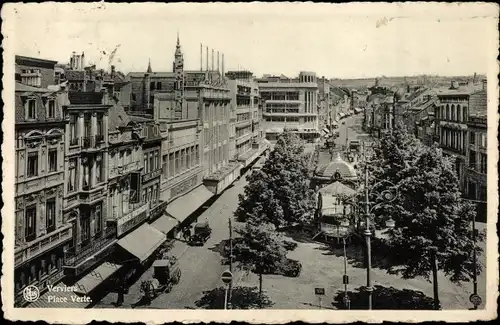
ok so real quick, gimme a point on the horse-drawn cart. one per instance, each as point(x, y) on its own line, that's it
point(166, 274)
point(202, 232)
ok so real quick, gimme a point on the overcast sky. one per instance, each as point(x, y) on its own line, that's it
point(336, 41)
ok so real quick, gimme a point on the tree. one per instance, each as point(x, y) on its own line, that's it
point(259, 248)
point(432, 222)
point(279, 193)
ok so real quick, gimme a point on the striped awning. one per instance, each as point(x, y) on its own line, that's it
point(92, 280)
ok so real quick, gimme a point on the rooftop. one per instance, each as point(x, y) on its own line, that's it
point(25, 88)
point(345, 169)
point(337, 189)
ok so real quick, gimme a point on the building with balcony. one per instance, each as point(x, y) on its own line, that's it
point(456, 104)
point(477, 162)
point(126, 207)
point(42, 232)
point(290, 104)
point(245, 134)
point(86, 174)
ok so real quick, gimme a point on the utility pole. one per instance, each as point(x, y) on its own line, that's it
point(230, 259)
point(369, 288)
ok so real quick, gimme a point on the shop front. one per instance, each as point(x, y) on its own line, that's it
point(181, 208)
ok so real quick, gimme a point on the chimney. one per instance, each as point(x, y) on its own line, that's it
point(223, 75)
point(218, 62)
point(112, 71)
point(212, 59)
point(454, 84)
point(201, 57)
point(207, 58)
point(83, 61)
point(485, 85)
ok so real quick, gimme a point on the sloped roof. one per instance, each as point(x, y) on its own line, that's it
point(417, 93)
point(74, 75)
point(345, 169)
point(117, 117)
point(337, 189)
point(23, 87)
point(152, 74)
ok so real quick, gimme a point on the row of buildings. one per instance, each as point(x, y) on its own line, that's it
point(455, 117)
point(108, 165)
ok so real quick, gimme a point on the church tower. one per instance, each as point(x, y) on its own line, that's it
point(178, 68)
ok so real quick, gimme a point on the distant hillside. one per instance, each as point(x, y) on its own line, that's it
point(399, 81)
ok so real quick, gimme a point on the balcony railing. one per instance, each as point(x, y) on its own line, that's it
point(86, 142)
point(74, 142)
point(75, 256)
point(98, 139)
point(42, 244)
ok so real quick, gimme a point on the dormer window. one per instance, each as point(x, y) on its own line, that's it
point(51, 108)
point(30, 107)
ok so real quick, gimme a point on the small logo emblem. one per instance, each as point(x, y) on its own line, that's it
point(31, 293)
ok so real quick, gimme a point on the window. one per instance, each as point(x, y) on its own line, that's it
point(183, 165)
point(472, 138)
point(30, 223)
point(453, 113)
point(86, 174)
point(197, 155)
point(72, 129)
point(165, 166)
point(146, 169)
point(51, 108)
point(144, 195)
point(188, 158)
point(157, 160)
point(152, 85)
point(85, 230)
point(32, 164)
point(151, 162)
point(50, 211)
point(483, 140)
point(97, 219)
point(177, 162)
point(52, 160)
point(447, 117)
point(464, 113)
point(100, 125)
point(99, 170)
point(87, 125)
point(72, 175)
point(158, 85)
point(472, 190)
point(171, 165)
point(155, 193)
point(482, 193)
point(472, 159)
point(483, 163)
point(31, 113)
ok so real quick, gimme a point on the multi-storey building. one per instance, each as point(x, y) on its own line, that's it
point(85, 195)
point(477, 162)
point(456, 104)
point(126, 207)
point(245, 132)
point(34, 72)
point(41, 233)
point(290, 104)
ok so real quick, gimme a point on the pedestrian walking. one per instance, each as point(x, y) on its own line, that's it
point(121, 295)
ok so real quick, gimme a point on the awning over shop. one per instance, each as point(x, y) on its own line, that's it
point(274, 130)
point(96, 277)
point(165, 224)
point(63, 299)
point(143, 241)
point(182, 207)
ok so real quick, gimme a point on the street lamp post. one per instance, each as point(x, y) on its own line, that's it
point(386, 195)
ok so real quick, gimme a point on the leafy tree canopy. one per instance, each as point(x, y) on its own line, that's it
point(279, 193)
point(259, 245)
point(432, 218)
